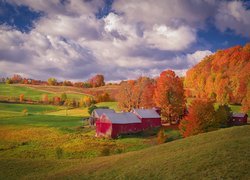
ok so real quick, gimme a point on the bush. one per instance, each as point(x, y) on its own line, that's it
point(161, 138)
point(25, 112)
point(105, 151)
point(59, 153)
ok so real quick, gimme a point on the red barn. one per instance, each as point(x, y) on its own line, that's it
point(238, 119)
point(113, 124)
point(96, 114)
point(149, 117)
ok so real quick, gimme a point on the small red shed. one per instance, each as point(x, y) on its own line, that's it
point(113, 124)
point(149, 117)
point(238, 119)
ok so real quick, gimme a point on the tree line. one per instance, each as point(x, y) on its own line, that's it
point(95, 81)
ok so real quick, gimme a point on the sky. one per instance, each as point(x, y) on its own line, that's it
point(76, 39)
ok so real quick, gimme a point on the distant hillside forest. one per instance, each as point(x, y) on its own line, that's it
point(223, 76)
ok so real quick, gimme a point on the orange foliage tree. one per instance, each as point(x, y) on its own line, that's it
point(136, 94)
point(169, 95)
point(21, 97)
point(200, 118)
point(222, 76)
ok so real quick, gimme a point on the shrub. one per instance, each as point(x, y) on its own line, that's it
point(161, 138)
point(105, 151)
point(59, 153)
point(25, 112)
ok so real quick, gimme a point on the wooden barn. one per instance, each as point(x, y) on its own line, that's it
point(96, 114)
point(111, 124)
point(238, 119)
point(149, 117)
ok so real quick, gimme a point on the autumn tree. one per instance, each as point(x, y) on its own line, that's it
point(222, 76)
point(246, 101)
point(21, 97)
point(200, 118)
point(56, 100)
point(52, 81)
point(45, 98)
point(104, 97)
point(169, 95)
point(97, 81)
point(136, 94)
point(16, 78)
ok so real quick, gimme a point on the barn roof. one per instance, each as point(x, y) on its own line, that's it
point(239, 115)
point(123, 118)
point(99, 112)
point(147, 113)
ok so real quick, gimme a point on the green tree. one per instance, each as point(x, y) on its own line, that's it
point(222, 115)
point(63, 97)
point(52, 81)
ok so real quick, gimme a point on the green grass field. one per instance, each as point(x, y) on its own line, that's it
point(83, 111)
point(222, 154)
point(11, 90)
point(39, 135)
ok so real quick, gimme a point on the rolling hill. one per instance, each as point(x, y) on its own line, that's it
point(222, 154)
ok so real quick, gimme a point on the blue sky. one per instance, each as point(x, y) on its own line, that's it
point(74, 40)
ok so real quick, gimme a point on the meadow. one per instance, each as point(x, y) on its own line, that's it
point(40, 135)
point(13, 91)
point(222, 154)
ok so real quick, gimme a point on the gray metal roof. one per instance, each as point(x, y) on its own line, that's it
point(98, 112)
point(122, 118)
point(239, 114)
point(147, 113)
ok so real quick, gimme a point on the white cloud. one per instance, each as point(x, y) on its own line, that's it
point(140, 37)
point(235, 16)
point(196, 57)
point(167, 38)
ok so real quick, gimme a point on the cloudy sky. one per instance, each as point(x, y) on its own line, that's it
point(121, 39)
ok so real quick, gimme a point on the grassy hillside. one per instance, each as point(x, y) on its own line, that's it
point(222, 154)
point(83, 111)
point(14, 90)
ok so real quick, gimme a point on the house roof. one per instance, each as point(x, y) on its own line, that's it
point(123, 118)
point(147, 113)
point(239, 115)
point(99, 112)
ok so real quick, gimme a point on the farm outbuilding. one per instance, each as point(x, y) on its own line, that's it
point(112, 124)
point(96, 114)
point(238, 119)
point(149, 117)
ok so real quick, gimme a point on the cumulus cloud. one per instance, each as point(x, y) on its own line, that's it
point(136, 38)
point(235, 16)
point(167, 38)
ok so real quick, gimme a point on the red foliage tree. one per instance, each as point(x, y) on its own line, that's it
point(200, 118)
point(169, 95)
point(97, 81)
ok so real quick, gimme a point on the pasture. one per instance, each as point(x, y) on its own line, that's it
point(13, 91)
point(39, 135)
point(222, 154)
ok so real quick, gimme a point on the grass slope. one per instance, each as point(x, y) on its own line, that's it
point(83, 112)
point(14, 90)
point(222, 154)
